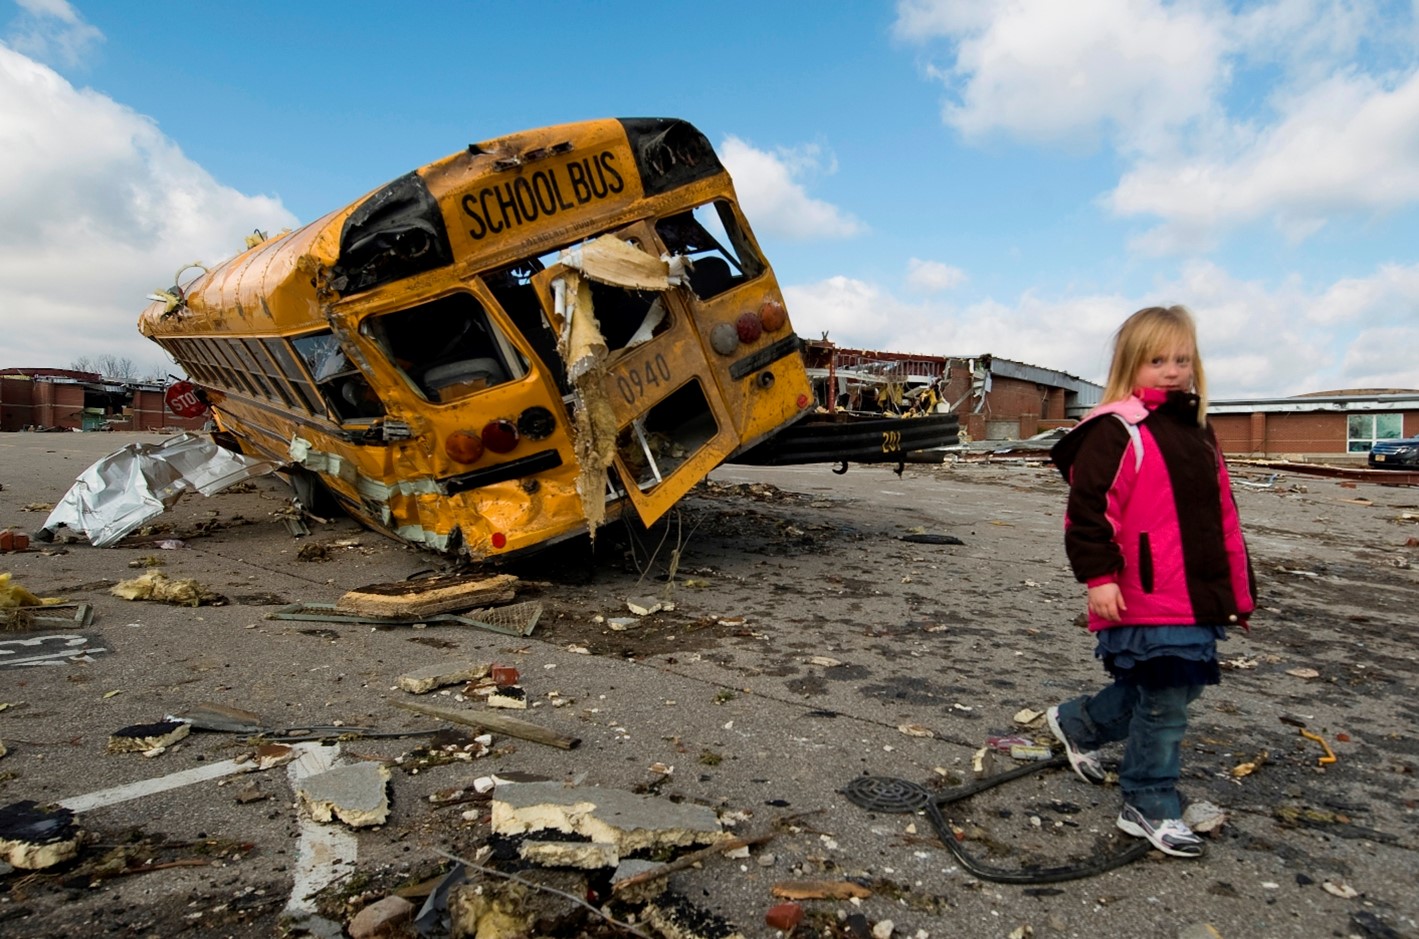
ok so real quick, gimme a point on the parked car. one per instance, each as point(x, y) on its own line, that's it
point(1395, 454)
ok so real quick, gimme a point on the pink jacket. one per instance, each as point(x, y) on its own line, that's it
point(1151, 509)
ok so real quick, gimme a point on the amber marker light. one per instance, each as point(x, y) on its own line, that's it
point(500, 436)
point(772, 315)
point(463, 446)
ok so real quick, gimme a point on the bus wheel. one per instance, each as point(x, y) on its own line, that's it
point(312, 493)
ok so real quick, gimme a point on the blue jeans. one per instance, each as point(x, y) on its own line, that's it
point(1153, 721)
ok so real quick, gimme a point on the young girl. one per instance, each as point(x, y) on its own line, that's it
point(1151, 527)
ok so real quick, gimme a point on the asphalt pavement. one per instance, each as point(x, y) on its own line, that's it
point(825, 630)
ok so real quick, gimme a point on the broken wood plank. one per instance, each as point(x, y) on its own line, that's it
point(428, 596)
point(499, 723)
point(688, 860)
point(820, 890)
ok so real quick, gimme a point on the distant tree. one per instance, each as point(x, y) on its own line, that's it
point(110, 366)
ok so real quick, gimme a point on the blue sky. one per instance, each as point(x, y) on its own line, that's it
point(1003, 176)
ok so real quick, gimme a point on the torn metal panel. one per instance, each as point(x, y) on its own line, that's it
point(121, 491)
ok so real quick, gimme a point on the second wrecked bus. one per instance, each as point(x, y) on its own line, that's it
point(507, 346)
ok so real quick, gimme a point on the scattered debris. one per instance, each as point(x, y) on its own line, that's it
point(148, 739)
point(644, 606)
point(516, 619)
point(617, 823)
point(653, 872)
point(1306, 673)
point(1342, 890)
point(820, 890)
point(12, 595)
point(383, 917)
point(511, 697)
point(784, 917)
point(158, 587)
point(33, 839)
point(500, 723)
point(424, 680)
point(1204, 817)
point(1329, 757)
point(121, 491)
point(429, 595)
point(356, 794)
point(14, 541)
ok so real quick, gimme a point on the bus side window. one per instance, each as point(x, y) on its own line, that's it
point(448, 348)
point(343, 386)
point(711, 237)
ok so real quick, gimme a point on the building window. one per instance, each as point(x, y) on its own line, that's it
point(1362, 430)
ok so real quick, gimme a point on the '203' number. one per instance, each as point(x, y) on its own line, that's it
point(635, 382)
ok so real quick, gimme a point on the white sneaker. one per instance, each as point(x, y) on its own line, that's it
point(1085, 763)
point(1170, 836)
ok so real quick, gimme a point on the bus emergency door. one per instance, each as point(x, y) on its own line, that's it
point(645, 400)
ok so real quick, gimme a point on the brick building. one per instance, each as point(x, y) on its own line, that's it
point(1333, 426)
point(50, 398)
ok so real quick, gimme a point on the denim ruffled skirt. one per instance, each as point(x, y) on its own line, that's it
point(1161, 656)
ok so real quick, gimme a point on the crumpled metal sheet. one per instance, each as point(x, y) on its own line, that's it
point(130, 486)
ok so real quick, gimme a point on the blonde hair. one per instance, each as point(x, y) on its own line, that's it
point(1145, 334)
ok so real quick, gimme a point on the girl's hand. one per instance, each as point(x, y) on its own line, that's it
point(1106, 602)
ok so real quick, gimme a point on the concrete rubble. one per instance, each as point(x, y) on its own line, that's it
point(610, 823)
point(356, 794)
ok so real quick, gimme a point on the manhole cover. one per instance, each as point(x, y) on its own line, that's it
point(885, 794)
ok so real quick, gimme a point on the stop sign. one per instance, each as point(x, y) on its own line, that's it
point(182, 399)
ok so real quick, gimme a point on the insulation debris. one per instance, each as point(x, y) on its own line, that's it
point(158, 587)
point(12, 595)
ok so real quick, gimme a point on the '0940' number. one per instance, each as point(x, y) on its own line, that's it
point(635, 382)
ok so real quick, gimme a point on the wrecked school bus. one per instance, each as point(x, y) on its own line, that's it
point(507, 346)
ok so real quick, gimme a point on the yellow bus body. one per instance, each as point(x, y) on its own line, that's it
point(508, 345)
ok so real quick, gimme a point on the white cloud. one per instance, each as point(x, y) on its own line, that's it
point(1288, 112)
point(51, 31)
point(769, 187)
point(933, 276)
point(100, 209)
point(1048, 71)
point(1347, 145)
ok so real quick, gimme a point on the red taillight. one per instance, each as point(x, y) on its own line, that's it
point(463, 446)
point(499, 540)
point(500, 436)
point(748, 327)
point(803, 401)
